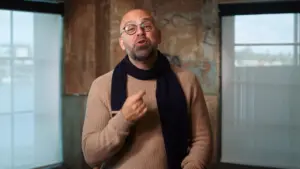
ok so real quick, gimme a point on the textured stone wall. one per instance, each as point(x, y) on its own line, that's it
point(79, 45)
point(118, 9)
point(86, 43)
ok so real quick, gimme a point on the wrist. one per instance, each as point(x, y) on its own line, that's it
point(120, 123)
point(125, 117)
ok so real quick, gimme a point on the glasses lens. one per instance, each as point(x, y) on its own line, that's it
point(130, 29)
point(148, 26)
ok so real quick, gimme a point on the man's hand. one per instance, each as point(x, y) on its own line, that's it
point(134, 107)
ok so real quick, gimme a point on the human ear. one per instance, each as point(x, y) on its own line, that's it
point(121, 43)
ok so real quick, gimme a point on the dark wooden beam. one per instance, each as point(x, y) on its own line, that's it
point(31, 6)
point(288, 6)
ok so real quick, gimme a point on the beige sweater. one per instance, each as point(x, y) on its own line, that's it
point(104, 131)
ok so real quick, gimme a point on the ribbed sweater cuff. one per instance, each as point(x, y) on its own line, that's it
point(120, 124)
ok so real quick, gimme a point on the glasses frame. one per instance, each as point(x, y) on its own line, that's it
point(141, 25)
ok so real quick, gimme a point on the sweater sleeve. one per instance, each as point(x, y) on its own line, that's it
point(102, 135)
point(201, 145)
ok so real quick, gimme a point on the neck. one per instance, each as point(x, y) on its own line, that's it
point(144, 65)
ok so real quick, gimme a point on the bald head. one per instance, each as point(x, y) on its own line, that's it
point(135, 15)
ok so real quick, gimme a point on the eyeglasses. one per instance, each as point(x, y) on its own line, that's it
point(131, 29)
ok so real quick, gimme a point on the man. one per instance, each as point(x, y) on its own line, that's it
point(146, 113)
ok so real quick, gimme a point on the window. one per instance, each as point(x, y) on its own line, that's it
point(260, 90)
point(259, 40)
point(30, 98)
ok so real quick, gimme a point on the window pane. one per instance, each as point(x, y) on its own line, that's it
point(260, 94)
point(34, 136)
point(47, 40)
point(23, 140)
point(22, 51)
point(264, 28)
point(23, 42)
point(298, 20)
point(260, 117)
point(5, 87)
point(5, 33)
point(264, 55)
point(5, 50)
point(5, 141)
point(23, 85)
point(298, 54)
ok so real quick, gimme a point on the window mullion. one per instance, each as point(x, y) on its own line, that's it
point(12, 89)
point(295, 40)
point(298, 37)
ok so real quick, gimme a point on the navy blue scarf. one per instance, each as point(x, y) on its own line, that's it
point(171, 103)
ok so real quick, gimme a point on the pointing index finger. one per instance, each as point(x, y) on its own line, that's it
point(138, 95)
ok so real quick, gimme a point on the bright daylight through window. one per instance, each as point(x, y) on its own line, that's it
point(260, 90)
point(30, 57)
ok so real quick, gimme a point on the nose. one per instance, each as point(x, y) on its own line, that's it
point(140, 31)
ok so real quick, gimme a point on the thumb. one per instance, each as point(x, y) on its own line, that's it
point(138, 95)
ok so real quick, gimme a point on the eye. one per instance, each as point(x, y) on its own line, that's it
point(147, 26)
point(130, 29)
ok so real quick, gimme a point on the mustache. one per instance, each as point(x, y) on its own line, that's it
point(142, 39)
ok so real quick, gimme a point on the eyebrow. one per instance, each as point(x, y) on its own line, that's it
point(148, 19)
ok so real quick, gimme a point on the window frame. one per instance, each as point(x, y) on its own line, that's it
point(249, 8)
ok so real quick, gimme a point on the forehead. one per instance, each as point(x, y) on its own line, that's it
point(136, 16)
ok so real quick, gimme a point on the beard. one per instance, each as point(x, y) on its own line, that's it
point(141, 53)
